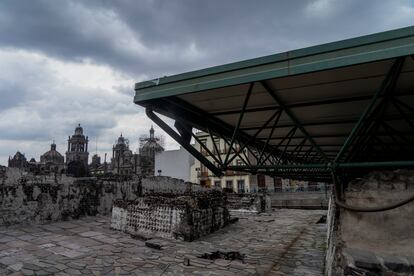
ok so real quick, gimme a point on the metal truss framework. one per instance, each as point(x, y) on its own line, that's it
point(373, 143)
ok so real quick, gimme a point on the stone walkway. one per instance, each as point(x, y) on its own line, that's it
point(284, 242)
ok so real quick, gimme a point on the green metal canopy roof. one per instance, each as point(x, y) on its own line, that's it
point(343, 106)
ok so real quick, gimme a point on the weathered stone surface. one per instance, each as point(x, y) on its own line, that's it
point(395, 263)
point(277, 246)
point(382, 237)
point(249, 202)
point(186, 217)
point(363, 259)
point(30, 198)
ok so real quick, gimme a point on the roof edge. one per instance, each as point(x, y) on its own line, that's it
point(289, 55)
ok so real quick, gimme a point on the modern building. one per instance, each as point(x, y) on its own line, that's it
point(77, 154)
point(174, 163)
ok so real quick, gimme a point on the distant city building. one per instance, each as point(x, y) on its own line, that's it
point(77, 154)
point(98, 168)
point(51, 161)
point(123, 161)
point(147, 153)
point(96, 160)
point(174, 163)
point(33, 166)
point(18, 161)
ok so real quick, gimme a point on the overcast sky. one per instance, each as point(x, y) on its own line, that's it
point(69, 62)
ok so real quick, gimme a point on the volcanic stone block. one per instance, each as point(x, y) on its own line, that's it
point(186, 217)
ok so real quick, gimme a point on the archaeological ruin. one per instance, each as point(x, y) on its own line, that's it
point(302, 164)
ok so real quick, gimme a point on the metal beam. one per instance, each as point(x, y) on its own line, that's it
point(215, 146)
point(270, 135)
point(324, 123)
point(236, 129)
point(181, 110)
point(305, 104)
point(384, 85)
point(329, 166)
point(363, 142)
point(177, 138)
point(206, 148)
point(253, 138)
point(245, 161)
point(341, 135)
point(294, 119)
point(277, 146)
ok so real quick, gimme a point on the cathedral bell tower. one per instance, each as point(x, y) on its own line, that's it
point(77, 154)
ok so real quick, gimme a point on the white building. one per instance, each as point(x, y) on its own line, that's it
point(174, 163)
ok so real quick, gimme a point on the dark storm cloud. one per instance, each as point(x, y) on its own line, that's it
point(38, 102)
point(76, 61)
point(162, 37)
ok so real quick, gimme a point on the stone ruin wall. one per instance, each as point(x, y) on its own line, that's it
point(373, 243)
point(186, 217)
point(251, 203)
point(26, 198)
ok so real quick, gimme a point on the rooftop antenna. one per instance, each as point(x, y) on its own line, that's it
point(96, 145)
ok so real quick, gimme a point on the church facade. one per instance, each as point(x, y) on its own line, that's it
point(123, 161)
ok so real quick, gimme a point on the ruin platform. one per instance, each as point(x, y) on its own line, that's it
point(180, 216)
point(284, 242)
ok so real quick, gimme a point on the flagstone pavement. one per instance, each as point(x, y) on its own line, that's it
point(283, 242)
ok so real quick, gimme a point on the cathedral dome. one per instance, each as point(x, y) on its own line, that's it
point(52, 156)
point(151, 146)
